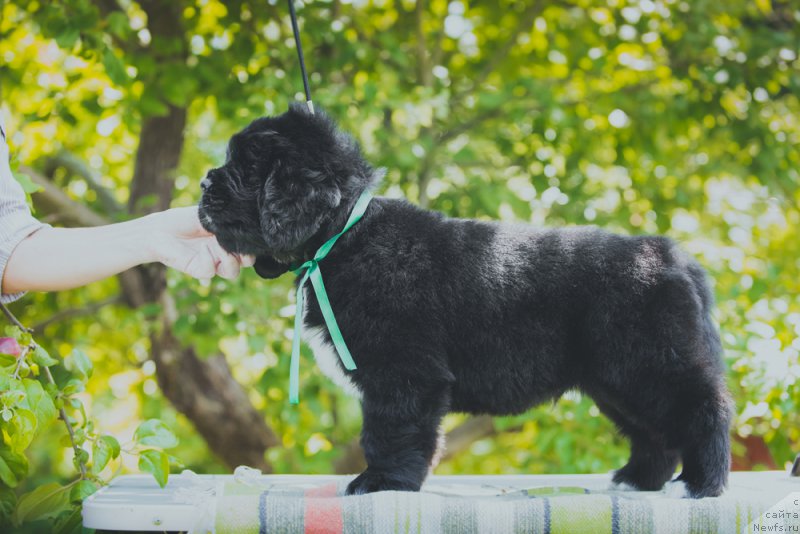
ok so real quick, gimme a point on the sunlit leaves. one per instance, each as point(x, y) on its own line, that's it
point(104, 449)
point(79, 363)
point(114, 67)
point(23, 429)
point(48, 500)
point(27, 408)
point(677, 118)
point(39, 402)
point(13, 467)
point(154, 433)
point(81, 490)
point(42, 357)
point(156, 463)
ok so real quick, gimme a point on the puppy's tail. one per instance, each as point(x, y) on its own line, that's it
point(703, 289)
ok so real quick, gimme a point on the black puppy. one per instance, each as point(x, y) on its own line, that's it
point(451, 315)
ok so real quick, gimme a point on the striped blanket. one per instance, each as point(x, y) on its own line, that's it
point(262, 506)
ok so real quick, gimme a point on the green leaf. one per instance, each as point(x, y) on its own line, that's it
point(156, 463)
point(765, 6)
point(69, 522)
point(24, 369)
point(81, 490)
point(73, 386)
point(13, 467)
point(23, 429)
point(7, 475)
point(45, 501)
point(151, 102)
point(112, 443)
point(39, 402)
point(14, 393)
point(42, 358)
point(79, 436)
point(119, 24)
point(68, 37)
point(8, 502)
point(154, 433)
point(101, 454)
point(78, 363)
point(114, 67)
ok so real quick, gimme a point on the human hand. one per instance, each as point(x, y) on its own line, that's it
point(178, 240)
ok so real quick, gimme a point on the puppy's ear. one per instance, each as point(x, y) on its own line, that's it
point(294, 209)
point(267, 267)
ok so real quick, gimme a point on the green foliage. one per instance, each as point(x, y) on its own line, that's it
point(30, 402)
point(46, 501)
point(156, 463)
point(674, 117)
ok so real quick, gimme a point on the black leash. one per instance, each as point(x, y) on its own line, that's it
point(296, 30)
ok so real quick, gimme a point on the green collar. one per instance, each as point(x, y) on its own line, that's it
point(311, 270)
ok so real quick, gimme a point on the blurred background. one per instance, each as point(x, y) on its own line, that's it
point(678, 117)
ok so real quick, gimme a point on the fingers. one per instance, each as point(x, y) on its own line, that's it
point(227, 265)
point(199, 264)
point(203, 258)
point(246, 260)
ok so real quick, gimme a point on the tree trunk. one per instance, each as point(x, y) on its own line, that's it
point(201, 389)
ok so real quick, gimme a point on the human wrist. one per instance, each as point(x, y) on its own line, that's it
point(151, 234)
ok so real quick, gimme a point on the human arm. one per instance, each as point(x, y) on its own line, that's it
point(53, 259)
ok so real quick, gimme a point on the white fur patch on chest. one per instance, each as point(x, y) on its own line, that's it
point(328, 359)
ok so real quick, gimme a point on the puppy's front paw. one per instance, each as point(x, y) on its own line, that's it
point(372, 480)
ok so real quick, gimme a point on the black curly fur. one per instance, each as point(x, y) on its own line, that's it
point(451, 315)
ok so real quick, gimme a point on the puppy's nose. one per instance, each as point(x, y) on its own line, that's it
point(205, 183)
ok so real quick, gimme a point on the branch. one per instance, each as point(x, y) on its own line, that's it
point(13, 319)
point(72, 313)
point(62, 413)
point(76, 166)
point(424, 72)
point(467, 125)
point(461, 437)
point(425, 175)
point(54, 201)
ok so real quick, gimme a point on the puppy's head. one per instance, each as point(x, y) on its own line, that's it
point(284, 180)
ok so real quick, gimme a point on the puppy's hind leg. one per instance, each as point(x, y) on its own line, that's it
point(400, 434)
point(706, 449)
point(650, 464)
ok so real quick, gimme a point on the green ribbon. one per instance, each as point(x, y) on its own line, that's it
point(310, 269)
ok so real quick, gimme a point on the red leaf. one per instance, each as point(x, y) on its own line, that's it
point(9, 345)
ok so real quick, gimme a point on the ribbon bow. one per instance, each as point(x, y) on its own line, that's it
point(310, 269)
